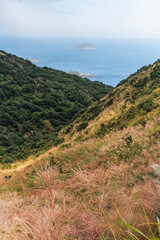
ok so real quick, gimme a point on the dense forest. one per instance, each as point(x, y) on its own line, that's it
point(35, 103)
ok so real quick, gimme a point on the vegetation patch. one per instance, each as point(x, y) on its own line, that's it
point(35, 103)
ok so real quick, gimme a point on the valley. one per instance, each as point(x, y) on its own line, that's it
point(102, 181)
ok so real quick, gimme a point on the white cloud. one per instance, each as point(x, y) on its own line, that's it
point(108, 18)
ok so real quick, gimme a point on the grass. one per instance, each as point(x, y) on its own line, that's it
point(135, 102)
point(102, 182)
point(84, 184)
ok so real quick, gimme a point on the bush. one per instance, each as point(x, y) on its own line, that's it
point(156, 72)
point(101, 131)
point(141, 82)
point(81, 126)
point(147, 105)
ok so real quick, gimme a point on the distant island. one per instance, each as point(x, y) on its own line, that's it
point(84, 75)
point(85, 46)
point(34, 60)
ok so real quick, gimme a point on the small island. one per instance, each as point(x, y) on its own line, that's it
point(34, 60)
point(84, 75)
point(85, 46)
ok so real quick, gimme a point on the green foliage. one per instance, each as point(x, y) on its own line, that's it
point(136, 111)
point(141, 82)
point(65, 145)
point(85, 116)
point(35, 103)
point(82, 126)
point(155, 75)
point(144, 68)
point(147, 105)
point(124, 151)
point(68, 130)
point(128, 140)
point(156, 72)
point(101, 131)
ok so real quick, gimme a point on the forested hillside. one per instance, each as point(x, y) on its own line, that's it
point(36, 102)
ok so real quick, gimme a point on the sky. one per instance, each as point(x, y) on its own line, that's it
point(80, 18)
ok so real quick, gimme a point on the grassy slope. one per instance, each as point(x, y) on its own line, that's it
point(135, 101)
point(36, 102)
point(66, 198)
point(87, 186)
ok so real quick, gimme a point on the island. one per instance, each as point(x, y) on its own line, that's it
point(85, 46)
point(84, 75)
point(34, 60)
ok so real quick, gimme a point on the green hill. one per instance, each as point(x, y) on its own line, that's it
point(35, 103)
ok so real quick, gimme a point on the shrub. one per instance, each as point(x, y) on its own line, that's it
point(81, 126)
point(101, 131)
point(147, 105)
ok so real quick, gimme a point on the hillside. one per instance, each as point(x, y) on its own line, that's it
point(87, 190)
point(135, 100)
point(35, 103)
point(102, 182)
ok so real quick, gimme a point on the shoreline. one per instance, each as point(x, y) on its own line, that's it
point(84, 75)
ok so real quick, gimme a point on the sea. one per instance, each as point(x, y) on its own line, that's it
point(112, 61)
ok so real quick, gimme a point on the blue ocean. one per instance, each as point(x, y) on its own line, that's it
point(112, 61)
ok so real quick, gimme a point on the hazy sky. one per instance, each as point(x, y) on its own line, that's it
point(86, 18)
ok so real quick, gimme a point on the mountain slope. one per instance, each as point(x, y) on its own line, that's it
point(136, 100)
point(94, 189)
point(69, 192)
point(36, 102)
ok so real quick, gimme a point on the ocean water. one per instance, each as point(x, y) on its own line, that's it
point(112, 61)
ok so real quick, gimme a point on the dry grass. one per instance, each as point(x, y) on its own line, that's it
point(87, 190)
